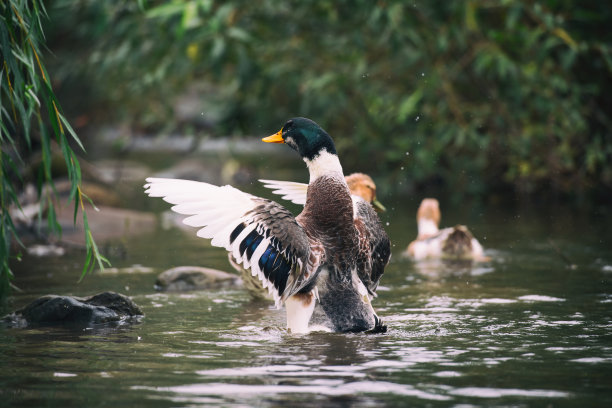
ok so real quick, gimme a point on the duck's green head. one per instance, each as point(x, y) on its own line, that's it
point(304, 136)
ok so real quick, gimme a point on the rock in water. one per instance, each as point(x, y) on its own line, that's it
point(183, 278)
point(121, 304)
point(105, 307)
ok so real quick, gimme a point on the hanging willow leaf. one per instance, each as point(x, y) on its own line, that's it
point(26, 83)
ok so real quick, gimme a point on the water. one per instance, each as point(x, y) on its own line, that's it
point(532, 327)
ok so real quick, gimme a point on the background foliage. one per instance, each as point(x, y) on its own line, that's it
point(479, 95)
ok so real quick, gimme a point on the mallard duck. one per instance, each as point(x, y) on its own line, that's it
point(361, 187)
point(450, 243)
point(334, 251)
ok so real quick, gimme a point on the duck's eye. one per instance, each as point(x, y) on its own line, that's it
point(287, 127)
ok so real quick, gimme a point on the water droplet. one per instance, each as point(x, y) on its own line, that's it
point(407, 153)
point(402, 168)
point(422, 74)
point(387, 223)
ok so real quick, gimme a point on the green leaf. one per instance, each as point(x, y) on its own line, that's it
point(46, 151)
point(68, 127)
point(87, 266)
point(52, 223)
point(409, 105)
point(218, 48)
point(238, 34)
point(90, 201)
point(470, 16)
point(166, 10)
point(142, 5)
point(54, 122)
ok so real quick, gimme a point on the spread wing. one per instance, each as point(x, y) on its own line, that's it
point(260, 234)
point(291, 191)
point(374, 244)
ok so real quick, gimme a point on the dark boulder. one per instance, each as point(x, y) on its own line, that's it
point(106, 307)
point(121, 304)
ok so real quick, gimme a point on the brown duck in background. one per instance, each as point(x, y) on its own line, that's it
point(362, 185)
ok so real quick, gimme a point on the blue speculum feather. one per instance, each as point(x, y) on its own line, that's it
point(265, 257)
point(272, 263)
point(250, 243)
point(283, 275)
point(275, 267)
point(236, 232)
point(251, 248)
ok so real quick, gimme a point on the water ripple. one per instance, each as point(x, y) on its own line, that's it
point(480, 392)
point(540, 298)
point(329, 389)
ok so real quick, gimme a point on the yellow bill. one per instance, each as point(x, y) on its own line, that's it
point(378, 205)
point(275, 138)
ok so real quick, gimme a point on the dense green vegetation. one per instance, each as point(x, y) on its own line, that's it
point(476, 95)
point(32, 120)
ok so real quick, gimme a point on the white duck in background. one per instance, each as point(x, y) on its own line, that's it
point(449, 243)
